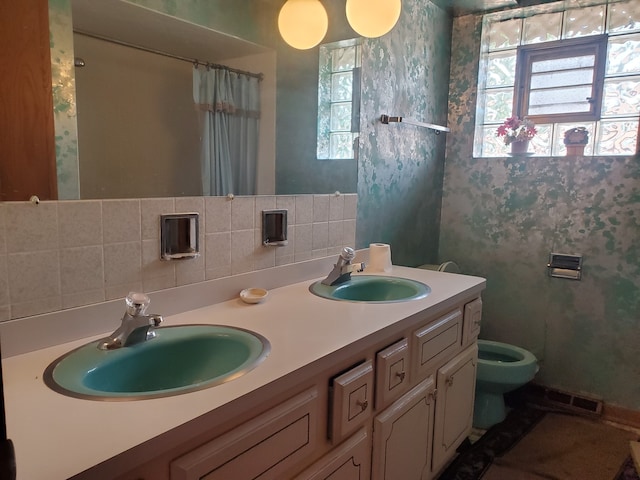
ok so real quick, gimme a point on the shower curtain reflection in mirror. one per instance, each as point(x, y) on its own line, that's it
point(229, 106)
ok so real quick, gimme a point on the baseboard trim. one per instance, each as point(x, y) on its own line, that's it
point(575, 403)
point(623, 416)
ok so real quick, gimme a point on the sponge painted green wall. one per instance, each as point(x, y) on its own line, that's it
point(502, 217)
point(400, 169)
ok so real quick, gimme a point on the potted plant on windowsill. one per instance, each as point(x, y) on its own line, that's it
point(575, 139)
point(517, 133)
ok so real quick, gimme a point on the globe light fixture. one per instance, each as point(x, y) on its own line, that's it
point(373, 18)
point(303, 23)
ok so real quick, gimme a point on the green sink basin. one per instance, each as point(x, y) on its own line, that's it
point(373, 289)
point(180, 359)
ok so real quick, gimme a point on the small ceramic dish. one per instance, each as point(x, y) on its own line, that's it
point(253, 295)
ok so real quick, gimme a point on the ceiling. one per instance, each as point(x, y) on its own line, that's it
point(465, 7)
point(140, 26)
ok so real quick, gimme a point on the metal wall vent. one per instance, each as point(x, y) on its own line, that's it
point(565, 266)
point(564, 400)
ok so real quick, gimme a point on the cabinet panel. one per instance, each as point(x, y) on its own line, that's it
point(402, 436)
point(436, 342)
point(454, 408)
point(262, 448)
point(472, 321)
point(349, 461)
point(392, 373)
point(351, 401)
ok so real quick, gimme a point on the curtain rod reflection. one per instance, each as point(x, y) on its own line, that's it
point(194, 61)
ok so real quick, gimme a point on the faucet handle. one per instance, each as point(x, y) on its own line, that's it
point(348, 254)
point(137, 303)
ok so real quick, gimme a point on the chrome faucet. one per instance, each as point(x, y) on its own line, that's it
point(136, 325)
point(343, 268)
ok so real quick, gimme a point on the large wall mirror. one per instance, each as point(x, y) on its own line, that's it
point(139, 132)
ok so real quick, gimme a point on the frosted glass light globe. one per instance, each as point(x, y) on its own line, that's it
point(303, 23)
point(373, 18)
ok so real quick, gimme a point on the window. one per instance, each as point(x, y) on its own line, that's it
point(339, 100)
point(563, 44)
point(560, 81)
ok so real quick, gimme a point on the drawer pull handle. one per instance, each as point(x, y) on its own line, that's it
point(363, 405)
point(449, 381)
point(401, 375)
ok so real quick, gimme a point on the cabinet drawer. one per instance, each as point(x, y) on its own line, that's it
point(436, 342)
point(472, 321)
point(351, 460)
point(265, 447)
point(392, 372)
point(351, 400)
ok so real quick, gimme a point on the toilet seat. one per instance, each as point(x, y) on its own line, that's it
point(523, 365)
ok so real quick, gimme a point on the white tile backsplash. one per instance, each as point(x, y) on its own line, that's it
point(267, 202)
point(321, 208)
point(122, 264)
point(4, 283)
point(242, 213)
point(336, 235)
point(320, 235)
point(263, 256)
point(242, 246)
point(304, 209)
point(336, 207)
point(30, 227)
point(87, 214)
point(303, 239)
point(218, 215)
point(287, 203)
point(120, 221)
point(81, 269)
point(66, 254)
point(157, 274)
point(349, 233)
point(350, 207)
point(150, 211)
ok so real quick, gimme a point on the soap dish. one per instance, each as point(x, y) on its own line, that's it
point(253, 295)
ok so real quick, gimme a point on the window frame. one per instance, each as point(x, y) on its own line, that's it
point(325, 100)
point(557, 49)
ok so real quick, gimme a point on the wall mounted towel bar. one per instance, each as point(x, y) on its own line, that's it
point(386, 119)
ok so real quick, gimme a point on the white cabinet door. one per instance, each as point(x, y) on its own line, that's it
point(456, 382)
point(402, 436)
point(265, 447)
point(472, 321)
point(351, 460)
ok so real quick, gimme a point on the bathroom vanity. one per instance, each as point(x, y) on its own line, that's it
point(349, 391)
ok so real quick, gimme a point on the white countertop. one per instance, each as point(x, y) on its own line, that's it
point(56, 437)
